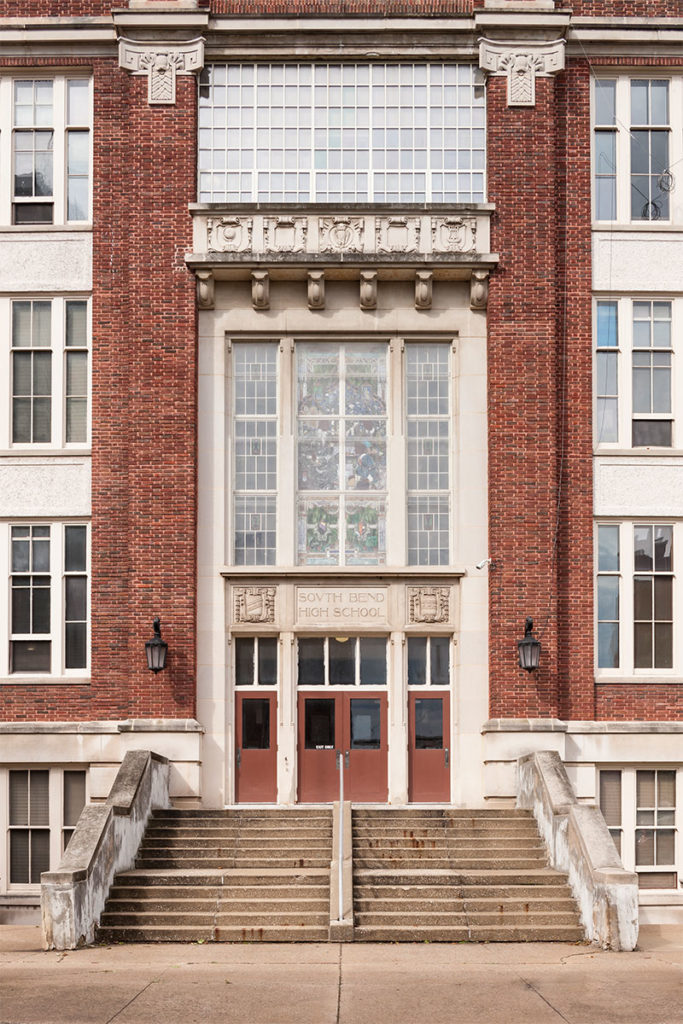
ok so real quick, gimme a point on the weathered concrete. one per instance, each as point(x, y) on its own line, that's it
point(105, 841)
point(579, 843)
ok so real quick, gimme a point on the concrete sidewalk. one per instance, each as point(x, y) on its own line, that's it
point(512, 983)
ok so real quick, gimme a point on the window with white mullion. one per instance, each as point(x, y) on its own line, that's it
point(429, 661)
point(652, 374)
point(32, 626)
point(32, 371)
point(607, 371)
point(256, 661)
point(608, 596)
point(653, 596)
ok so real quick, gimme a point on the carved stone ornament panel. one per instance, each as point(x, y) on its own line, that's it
point(229, 234)
point(285, 234)
point(254, 604)
point(161, 63)
point(429, 604)
point(398, 234)
point(521, 63)
point(454, 234)
point(341, 234)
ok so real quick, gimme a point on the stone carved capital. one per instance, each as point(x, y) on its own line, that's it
point(454, 234)
point(229, 234)
point(285, 234)
point(521, 62)
point(254, 604)
point(429, 604)
point(341, 234)
point(161, 62)
point(397, 234)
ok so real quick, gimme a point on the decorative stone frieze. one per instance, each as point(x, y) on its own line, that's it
point(429, 604)
point(398, 234)
point(479, 289)
point(423, 289)
point(454, 234)
point(254, 604)
point(161, 62)
point(205, 289)
point(341, 234)
point(285, 234)
point(229, 234)
point(368, 289)
point(521, 62)
point(316, 289)
point(260, 289)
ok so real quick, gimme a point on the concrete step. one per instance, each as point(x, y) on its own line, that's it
point(184, 862)
point(446, 813)
point(290, 905)
point(471, 846)
point(262, 877)
point(418, 904)
point(265, 845)
point(451, 862)
point(471, 893)
point(455, 917)
point(443, 933)
point(450, 877)
point(527, 831)
point(246, 918)
point(322, 832)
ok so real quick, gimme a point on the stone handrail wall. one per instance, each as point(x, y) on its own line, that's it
point(105, 841)
point(578, 842)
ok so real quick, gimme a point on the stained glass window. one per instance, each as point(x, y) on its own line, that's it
point(342, 453)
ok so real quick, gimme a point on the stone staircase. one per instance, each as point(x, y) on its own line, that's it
point(226, 876)
point(456, 876)
point(263, 875)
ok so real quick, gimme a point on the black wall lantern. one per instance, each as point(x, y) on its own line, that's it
point(156, 649)
point(529, 648)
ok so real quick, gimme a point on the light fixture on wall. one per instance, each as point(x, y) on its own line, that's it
point(156, 649)
point(529, 648)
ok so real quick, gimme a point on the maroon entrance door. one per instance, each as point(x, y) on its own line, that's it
point(256, 753)
point(428, 749)
point(353, 724)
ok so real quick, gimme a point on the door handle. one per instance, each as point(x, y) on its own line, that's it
point(346, 759)
point(239, 757)
point(445, 753)
point(339, 759)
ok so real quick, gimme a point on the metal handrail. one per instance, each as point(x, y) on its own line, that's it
point(340, 852)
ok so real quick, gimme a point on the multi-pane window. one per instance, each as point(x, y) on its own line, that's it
point(31, 372)
point(342, 453)
point(50, 148)
point(640, 808)
point(653, 596)
point(651, 374)
point(256, 661)
point(342, 661)
point(632, 148)
point(255, 452)
point(48, 376)
point(341, 133)
point(428, 437)
point(428, 661)
point(29, 826)
point(48, 598)
point(73, 803)
point(635, 372)
point(608, 583)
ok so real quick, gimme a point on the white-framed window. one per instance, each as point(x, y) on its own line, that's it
point(45, 149)
point(641, 807)
point(429, 661)
point(341, 452)
point(638, 123)
point(48, 568)
point(48, 372)
point(637, 376)
point(40, 807)
point(636, 598)
point(342, 661)
point(352, 132)
point(256, 660)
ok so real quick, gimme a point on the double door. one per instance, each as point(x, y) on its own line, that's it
point(353, 725)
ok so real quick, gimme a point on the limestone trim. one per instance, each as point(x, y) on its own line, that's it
point(521, 62)
point(161, 62)
point(429, 604)
point(254, 604)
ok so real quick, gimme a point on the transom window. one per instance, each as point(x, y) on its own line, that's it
point(342, 661)
point(341, 132)
point(429, 661)
point(256, 661)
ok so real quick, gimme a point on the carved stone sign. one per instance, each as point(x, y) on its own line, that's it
point(521, 62)
point(341, 606)
point(254, 604)
point(161, 63)
point(429, 604)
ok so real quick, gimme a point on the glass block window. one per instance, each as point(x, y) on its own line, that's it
point(255, 661)
point(653, 597)
point(341, 133)
point(31, 372)
point(255, 410)
point(342, 661)
point(607, 358)
point(652, 357)
point(29, 826)
point(608, 596)
point(342, 453)
point(428, 453)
